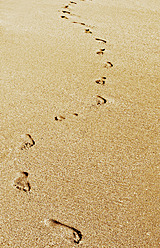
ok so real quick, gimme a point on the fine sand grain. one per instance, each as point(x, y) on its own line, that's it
point(79, 123)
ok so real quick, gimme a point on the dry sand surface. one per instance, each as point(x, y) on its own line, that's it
point(79, 123)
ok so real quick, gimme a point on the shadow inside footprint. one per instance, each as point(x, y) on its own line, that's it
point(66, 12)
point(101, 100)
point(88, 31)
point(104, 41)
point(81, 23)
point(21, 182)
point(64, 17)
point(64, 231)
point(28, 142)
point(59, 118)
point(101, 51)
point(73, 2)
point(108, 64)
point(101, 81)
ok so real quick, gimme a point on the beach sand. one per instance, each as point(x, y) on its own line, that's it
point(79, 123)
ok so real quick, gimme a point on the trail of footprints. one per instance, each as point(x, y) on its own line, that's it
point(101, 51)
point(21, 182)
point(102, 81)
point(58, 229)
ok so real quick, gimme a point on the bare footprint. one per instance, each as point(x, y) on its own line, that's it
point(108, 64)
point(66, 12)
point(101, 81)
point(101, 100)
point(28, 141)
point(88, 31)
point(64, 17)
point(63, 231)
point(21, 182)
point(81, 23)
point(73, 2)
point(104, 41)
point(59, 118)
point(101, 51)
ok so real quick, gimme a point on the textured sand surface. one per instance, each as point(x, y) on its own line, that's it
point(79, 123)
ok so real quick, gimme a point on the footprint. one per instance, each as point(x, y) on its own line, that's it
point(88, 31)
point(28, 141)
point(65, 17)
point(108, 64)
point(66, 12)
point(101, 100)
point(101, 51)
point(59, 118)
point(73, 2)
point(21, 182)
point(64, 231)
point(104, 41)
point(75, 114)
point(101, 81)
point(81, 23)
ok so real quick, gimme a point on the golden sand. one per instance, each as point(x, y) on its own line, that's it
point(79, 123)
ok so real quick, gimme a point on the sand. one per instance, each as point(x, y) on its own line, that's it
point(79, 123)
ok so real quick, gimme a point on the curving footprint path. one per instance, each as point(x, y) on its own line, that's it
point(101, 51)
